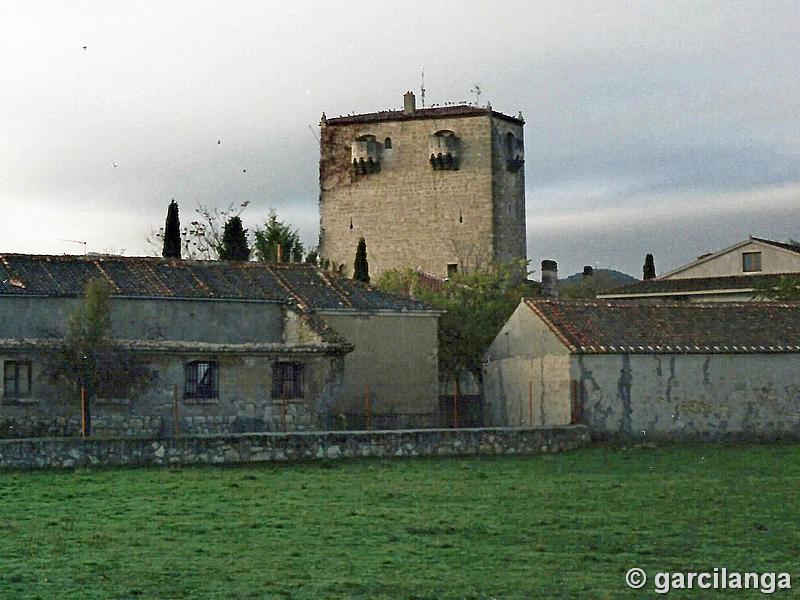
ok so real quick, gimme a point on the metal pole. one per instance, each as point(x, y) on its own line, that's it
point(83, 412)
point(368, 402)
point(175, 409)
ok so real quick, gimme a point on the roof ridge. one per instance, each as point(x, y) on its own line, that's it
point(336, 287)
point(106, 276)
point(784, 245)
point(289, 289)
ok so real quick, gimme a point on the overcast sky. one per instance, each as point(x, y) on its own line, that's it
point(663, 127)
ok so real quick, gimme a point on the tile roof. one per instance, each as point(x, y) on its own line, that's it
point(461, 110)
point(307, 286)
point(615, 327)
point(696, 284)
point(784, 245)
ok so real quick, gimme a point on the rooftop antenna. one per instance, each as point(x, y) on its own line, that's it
point(422, 87)
point(77, 242)
point(476, 89)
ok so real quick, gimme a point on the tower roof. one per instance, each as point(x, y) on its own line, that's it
point(436, 112)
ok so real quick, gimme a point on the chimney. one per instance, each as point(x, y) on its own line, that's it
point(409, 103)
point(588, 272)
point(549, 279)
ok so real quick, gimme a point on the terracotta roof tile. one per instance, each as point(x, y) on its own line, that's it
point(633, 327)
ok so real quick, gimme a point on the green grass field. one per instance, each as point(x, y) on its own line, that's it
point(557, 526)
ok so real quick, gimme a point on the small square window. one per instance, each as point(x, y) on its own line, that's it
point(751, 261)
point(452, 269)
point(287, 380)
point(17, 375)
point(202, 380)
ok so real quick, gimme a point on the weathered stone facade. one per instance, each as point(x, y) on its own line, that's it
point(413, 208)
point(244, 402)
point(272, 447)
point(249, 331)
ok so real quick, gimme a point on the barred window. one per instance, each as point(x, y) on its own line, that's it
point(17, 375)
point(202, 380)
point(287, 380)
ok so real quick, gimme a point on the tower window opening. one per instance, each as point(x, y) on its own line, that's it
point(443, 148)
point(387, 143)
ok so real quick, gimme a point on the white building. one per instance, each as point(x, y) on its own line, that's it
point(639, 371)
point(737, 273)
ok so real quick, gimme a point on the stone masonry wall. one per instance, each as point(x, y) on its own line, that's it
point(508, 191)
point(272, 447)
point(244, 402)
point(412, 215)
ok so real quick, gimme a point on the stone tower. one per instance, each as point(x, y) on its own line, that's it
point(441, 188)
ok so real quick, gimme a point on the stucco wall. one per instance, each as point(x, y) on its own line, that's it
point(396, 355)
point(244, 402)
point(773, 260)
point(135, 318)
point(410, 214)
point(526, 374)
point(690, 395)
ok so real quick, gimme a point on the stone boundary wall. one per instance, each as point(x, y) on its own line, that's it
point(37, 453)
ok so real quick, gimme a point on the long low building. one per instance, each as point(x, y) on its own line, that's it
point(234, 346)
point(640, 371)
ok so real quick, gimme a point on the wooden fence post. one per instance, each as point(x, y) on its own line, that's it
point(368, 406)
point(83, 412)
point(455, 403)
point(530, 404)
point(175, 410)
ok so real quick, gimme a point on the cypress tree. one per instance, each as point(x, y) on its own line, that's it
point(360, 265)
point(172, 232)
point(234, 241)
point(649, 267)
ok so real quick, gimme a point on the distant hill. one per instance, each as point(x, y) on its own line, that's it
point(604, 280)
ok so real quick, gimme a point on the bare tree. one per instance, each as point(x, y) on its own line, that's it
point(202, 239)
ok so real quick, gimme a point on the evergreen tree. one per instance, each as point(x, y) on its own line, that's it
point(234, 241)
point(360, 265)
point(312, 257)
point(172, 232)
point(649, 267)
point(278, 242)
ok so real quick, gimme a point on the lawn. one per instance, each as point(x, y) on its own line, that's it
point(566, 526)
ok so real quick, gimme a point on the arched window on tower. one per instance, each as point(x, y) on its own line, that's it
point(387, 143)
